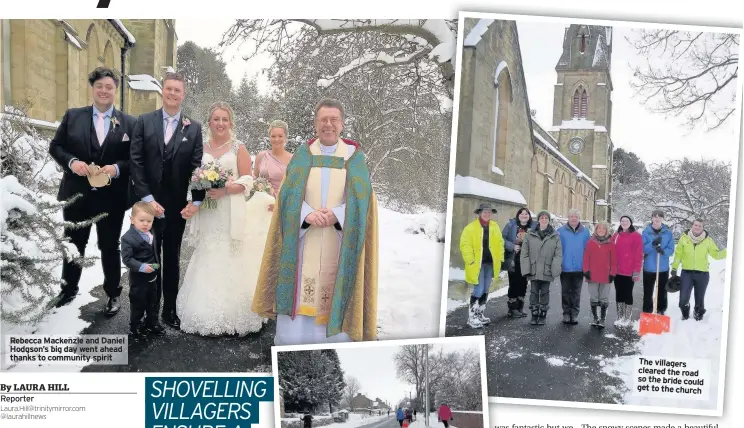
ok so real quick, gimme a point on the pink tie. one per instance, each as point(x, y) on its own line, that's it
point(100, 128)
point(169, 129)
point(149, 236)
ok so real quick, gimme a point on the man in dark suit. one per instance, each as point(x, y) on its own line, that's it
point(100, 135)
point(166, 149)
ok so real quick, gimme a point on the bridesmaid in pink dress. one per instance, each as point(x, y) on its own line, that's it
point(272, 164)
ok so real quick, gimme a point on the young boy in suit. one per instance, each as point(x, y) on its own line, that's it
point(139, 255)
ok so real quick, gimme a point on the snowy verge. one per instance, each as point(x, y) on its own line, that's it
point(410, 284)
point(686, 340)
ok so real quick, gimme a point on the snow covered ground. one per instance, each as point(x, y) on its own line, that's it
point(456, 274)
point(409, 283)
point(410, 274)
point(65, 320)
point(420, 422)
point(355, 420)
point(686, 340)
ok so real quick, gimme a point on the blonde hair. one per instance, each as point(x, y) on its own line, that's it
point(145, 207)
point(221, 105)
point(603, 224)
point(279, 124)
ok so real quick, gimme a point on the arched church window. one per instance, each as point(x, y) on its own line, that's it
point(582, 43)
point(579, 102)
point(502, 99)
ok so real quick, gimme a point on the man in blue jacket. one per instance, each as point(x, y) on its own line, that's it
point(657, 241)
point(574, 237)
point(400, 416)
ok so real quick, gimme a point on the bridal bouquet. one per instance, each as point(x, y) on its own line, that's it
point(209, 176)
point(262, 185)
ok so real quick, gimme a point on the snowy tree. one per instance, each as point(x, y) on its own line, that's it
point(33, 247)
point(353, 387)
point(691, 74)
point(398, 121)
point(206, 80)
point(688, 189)
point(33, 244)
point(460, 387)
point(250, 127)
point(310, 379)
point(628, 168)
point(24, 153)
point(333, 380)
point(426, 42)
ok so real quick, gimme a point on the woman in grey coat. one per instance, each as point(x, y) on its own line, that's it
point(541, 259)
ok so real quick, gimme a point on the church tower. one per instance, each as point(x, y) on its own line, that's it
point(582, 107)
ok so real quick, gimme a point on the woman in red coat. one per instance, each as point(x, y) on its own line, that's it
point(629, 250)
point(599, 270)
point(444, 414)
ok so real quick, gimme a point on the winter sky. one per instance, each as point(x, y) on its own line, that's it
point(651, 136)
point(382, 382)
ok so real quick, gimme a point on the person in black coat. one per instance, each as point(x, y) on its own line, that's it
point(96, 134)
point(138, 254)
point(166, 149)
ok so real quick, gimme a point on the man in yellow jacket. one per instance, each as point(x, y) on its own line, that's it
point(482, 249)
point(692, 252)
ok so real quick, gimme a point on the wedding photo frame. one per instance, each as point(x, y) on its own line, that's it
point(506, 154)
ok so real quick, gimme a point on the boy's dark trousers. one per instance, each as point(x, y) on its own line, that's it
point(143, 299)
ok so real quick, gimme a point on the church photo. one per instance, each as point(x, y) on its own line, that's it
point(591, 207)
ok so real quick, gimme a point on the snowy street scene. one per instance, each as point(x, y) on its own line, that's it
point(335, 388)
point(592, 207)
point(64, 262)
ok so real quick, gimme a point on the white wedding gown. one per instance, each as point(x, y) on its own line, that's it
point(216, 294)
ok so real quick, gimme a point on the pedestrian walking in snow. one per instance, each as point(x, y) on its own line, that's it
point(692, 253)
point(514, 234)
point(629, 252)
point(445, 415)
point(482, 248)
point(657, 239)
point(541, 258)
point(399, 415)
point(307, 420)
point(574, 237)
point(600, 267)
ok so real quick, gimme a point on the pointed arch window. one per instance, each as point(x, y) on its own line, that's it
point(579, 103)
point(582, 43)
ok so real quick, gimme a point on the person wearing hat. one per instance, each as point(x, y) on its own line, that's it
point(629, 249)
point(541, 258)
point(482, 248)
point(692, 253)
point(658, 243)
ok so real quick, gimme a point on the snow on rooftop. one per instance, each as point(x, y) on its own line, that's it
point(475, 35)
point(599, 166)
point(579, 123)
point(124, 30)
point(144, 82)
point(560, 155)
point(477, 187)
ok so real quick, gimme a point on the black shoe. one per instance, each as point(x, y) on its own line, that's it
point(113, 306)
point(566, 318)
point(698, 314)
point(574, 319)
point(65, 298)
point(171, 319)
point(685, 312)
point(156, 330)
point(137, 333)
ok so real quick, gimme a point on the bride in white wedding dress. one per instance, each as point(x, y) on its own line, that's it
point(216, 294)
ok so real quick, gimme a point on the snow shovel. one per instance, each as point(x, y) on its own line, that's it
point(654, 323)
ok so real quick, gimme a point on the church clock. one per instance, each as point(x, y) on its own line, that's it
point(576, 145)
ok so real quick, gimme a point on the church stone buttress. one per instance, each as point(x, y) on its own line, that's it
point(582, 107)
